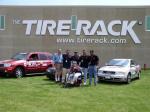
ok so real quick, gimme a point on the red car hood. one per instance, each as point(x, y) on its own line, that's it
point(7, 61)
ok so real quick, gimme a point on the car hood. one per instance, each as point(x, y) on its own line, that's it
point(11, 61)
point(114, 68)
point(7, 61)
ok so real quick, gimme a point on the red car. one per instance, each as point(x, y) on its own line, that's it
point(25, 63)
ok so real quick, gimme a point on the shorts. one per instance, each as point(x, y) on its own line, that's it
point(59, 67)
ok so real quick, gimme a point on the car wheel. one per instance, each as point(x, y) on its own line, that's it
point(19, 72)
point(128, 79)
point(99, 80)
point(50, 73)
point(78, 83)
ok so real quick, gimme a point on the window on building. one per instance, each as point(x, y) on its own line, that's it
point(2, 22)
point(147, 23)
point(73, 22)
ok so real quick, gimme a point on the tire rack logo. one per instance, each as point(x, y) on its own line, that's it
point(84, 27)
point(2, 22)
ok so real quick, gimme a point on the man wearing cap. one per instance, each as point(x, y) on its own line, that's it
point(93, 62)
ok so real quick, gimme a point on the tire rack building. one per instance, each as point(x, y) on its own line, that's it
point(15, 38)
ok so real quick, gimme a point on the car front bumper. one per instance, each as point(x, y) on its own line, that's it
point(112, 78)
point(5, 70)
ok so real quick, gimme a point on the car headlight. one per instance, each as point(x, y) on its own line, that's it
point(100, 71)
point(120, 73)
point(7, 65)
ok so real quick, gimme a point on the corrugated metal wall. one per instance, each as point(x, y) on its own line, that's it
point(13, 38)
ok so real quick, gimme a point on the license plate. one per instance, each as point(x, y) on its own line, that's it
point(107, 77)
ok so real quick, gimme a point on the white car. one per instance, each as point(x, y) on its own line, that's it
point(119, 70)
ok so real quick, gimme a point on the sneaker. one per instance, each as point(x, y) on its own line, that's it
point(84, 83)
point(56, 79)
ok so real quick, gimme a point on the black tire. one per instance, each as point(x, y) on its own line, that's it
point(78, 83)
point(19, 72)
point(50, 76)
point(99, 80)
point(128, 79)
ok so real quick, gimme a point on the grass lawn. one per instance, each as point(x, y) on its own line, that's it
point(37, 94)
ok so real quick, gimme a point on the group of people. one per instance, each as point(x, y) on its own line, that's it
point(87, 63)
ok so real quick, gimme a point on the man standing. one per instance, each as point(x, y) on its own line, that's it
point(58, 59)
point(75, 57)
point(84, 64)
point(93, 62)
point(66, 64)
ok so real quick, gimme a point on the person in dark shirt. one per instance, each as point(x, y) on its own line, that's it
point(93, 62)
point(66, 64)
point(75, 57)
point(84, 64)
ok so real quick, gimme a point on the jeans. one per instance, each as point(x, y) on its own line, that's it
point(85, 70)
point(92, 71)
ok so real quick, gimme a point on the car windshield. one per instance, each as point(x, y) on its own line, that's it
point(20, 56)
point(120, 62)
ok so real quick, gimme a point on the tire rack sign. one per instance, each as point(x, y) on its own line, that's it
point(84, 27)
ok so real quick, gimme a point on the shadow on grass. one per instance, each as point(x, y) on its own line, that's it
point(3, 76)
point(116, 83)
point(62, 85)
point(34, 75)
point(112, 83)
point(6, 78)
point(49, 82)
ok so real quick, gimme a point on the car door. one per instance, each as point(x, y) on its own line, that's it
point(31, 64)
point(133, 69)
point(43, 60)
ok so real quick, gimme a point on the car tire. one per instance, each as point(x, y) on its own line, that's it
point(78, 83)
point(51, 75)
point(99, 80)
point(128, 79)
point(19, 72)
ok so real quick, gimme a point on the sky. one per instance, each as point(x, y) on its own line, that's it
point(76, 2)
